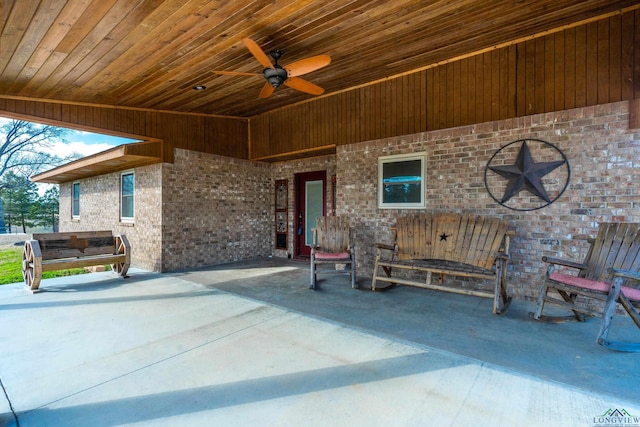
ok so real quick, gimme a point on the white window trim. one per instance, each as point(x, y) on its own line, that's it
point(126, 218)
point(422, 156)
point(73, 184)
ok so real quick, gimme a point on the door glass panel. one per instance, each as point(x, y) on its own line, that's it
point(313, 208)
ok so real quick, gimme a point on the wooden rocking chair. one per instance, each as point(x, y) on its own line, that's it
point(607, 275)
point(332, 245)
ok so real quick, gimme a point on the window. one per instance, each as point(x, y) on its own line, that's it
point(127, 185)
point(401, 181)
point(75, 200)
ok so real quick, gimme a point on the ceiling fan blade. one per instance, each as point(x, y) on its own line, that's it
point(307, 65)
point(236, 73)
point(257, 53)
point(303, 86)
point(266, 91)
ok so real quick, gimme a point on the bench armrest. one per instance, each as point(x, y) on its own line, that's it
point(566, 263)
point(627, 274)
point(503, 256)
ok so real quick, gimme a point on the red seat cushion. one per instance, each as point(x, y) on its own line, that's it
point(580, 282)
point(327, 256)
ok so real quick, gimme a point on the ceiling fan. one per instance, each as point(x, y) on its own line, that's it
point(276, 75)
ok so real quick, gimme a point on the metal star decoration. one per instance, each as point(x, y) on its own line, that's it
point(443, 237)
point(526, 174)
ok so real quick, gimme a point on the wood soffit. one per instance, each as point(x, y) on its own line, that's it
point(149, 54)
point(120, 158)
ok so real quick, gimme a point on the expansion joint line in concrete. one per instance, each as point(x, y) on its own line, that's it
point(6, 395)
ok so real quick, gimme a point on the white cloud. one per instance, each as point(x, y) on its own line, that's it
point(64, 149)
point(82, 142)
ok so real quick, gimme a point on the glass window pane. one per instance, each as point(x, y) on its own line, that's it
point(313, 208)
point(75, 205)
point(127, 200)
point(401, 181)
point(127, 207)
point(127, 184)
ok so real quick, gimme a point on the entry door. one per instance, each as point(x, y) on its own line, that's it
point(310, 204)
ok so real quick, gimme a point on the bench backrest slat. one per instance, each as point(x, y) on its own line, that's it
point(632, 259)
point(75, 244)
point(333, 233)
point(617, 245)
point(466, 238)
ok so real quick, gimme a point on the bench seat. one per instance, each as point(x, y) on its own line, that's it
point(67, 263)
point(441, 266)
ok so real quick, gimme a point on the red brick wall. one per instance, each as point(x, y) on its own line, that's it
point(100, 210)
point(603, 153)
point(215, 210)
point(201, 210)
point(206, 209)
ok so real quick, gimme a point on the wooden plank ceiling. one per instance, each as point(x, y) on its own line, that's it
point(151, 53)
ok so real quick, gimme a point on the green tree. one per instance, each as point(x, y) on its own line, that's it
point(44, 211)
point(19, 194)
point(23, 152)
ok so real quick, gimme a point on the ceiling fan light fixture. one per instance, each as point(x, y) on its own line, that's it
point(275, 81)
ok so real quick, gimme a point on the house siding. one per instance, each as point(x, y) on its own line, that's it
point(206, 209)
point(203, 209)
point(215, 210)
point(100, 210)
point(602, 152)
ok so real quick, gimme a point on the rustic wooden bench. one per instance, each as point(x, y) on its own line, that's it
point(463, 245)
point(60, 251)
point(604, 279)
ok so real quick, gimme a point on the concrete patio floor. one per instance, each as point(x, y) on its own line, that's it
point(248, 344)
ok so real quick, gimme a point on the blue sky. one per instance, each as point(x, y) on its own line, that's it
point(96, 138)
point(84, 143)
point(87, 143)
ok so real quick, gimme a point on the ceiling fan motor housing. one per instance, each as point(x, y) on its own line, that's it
point(275, 76)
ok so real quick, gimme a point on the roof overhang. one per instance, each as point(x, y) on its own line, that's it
point(120, 158)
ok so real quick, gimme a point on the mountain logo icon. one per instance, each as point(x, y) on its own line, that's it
point(616, 413)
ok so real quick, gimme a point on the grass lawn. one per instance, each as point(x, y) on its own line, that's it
point(11, 262)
